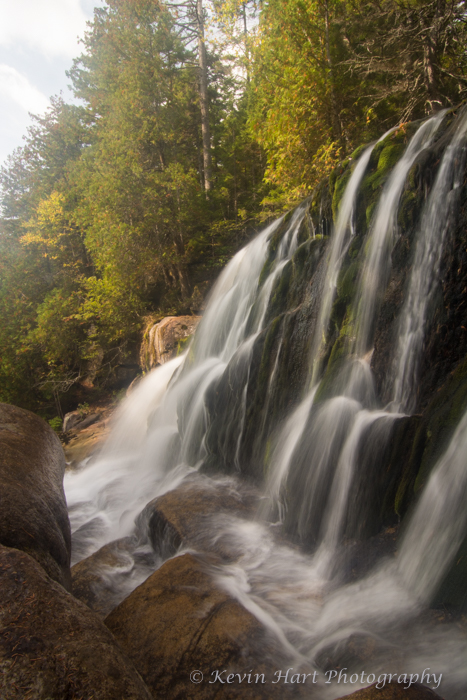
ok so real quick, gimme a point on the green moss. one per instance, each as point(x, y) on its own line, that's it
point(182, 344)
point(388, 157)
point(56, 424)
point(384, 157)
point(305, 230)
point(369, 211)
point(355, 246)
point(408, 206)
point(346, 284)
point(358, 152)
point(341, 349)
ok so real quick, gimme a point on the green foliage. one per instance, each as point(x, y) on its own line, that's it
point(328, 75)
point(56, 424)
point(83, 408)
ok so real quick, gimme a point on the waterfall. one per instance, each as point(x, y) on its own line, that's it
point(439, 523)
point(382, 235)
point(434, 226)
point(295, 425)
point(357, 382)
point(340, 243)
point(328, 443)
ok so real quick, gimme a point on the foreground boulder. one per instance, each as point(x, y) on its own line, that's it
point(393, 691)
point(33, 512)
point(162, 341)
point(179, 623)
point(52, 646)
point(89, 581)
point(192, 513)
point(105, 578)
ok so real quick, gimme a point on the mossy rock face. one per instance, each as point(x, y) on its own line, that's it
point(280, 366)
point(341, 347)
point(445, 340)
point(346, 285)
point(226, 403)
point(358, 152)
point(280, 292)
point(442, 418)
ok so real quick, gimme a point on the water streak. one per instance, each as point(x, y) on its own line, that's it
point(436, 221)
point(340, 242)
point(439, 523)
point(382, 235)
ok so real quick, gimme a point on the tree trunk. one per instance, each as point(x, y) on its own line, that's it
point(245, 38)
point(335, 118)
point(182, 272)
point(203, 98)
point(430, 76)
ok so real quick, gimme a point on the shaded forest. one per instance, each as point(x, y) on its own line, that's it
point(193, 123)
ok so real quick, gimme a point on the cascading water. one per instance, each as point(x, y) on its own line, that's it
point(355, 380)
point(315, 479)
point(382, 233)
point(435, 223)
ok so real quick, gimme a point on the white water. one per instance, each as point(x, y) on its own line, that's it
point(341, 485)
point(341, 239)
point(383, 232)
point(425, 271)
point(439, 523)
point(312, 608)
point(292, 433)
point(106, 495)
point(355, 380)
point(149, 452)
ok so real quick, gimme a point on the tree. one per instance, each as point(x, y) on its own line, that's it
point(42, 258)
point(410, 55)
point(139, 178)
point(302, 110)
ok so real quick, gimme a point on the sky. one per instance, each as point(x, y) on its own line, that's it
point(38, 41)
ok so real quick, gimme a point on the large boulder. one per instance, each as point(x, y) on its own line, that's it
point(106, 577)
point(190, 515)
point(52, 646)
point(89, 581)
point(179, 628)
point(162, 341)
point(33, 512)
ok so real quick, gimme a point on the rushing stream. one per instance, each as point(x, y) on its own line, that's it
point(314, 479)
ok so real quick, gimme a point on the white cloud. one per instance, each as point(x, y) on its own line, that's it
point(49, 26)
point(16, 89)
